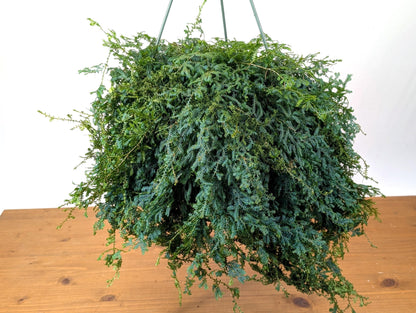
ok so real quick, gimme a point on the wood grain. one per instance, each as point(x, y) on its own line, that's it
point(47, 270)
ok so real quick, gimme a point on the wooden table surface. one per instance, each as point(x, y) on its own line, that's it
point(47, 270)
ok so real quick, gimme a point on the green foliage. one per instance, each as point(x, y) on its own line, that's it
point(231, 157)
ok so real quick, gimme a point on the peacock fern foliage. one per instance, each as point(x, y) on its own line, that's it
point(234, 158)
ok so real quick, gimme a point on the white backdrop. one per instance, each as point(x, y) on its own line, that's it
point(44, 43)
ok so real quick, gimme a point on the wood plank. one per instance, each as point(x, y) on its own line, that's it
point(47, 270)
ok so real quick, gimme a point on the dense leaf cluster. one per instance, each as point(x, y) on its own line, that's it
point(231, 157)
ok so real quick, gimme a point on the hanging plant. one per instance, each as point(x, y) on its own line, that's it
point(233, 158)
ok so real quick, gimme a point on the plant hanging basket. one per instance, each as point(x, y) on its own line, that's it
point(234, 158)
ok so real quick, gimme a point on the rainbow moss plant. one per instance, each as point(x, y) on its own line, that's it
point(237, 160)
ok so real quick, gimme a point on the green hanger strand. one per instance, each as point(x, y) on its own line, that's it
point(164, 23)
point(223, 20)
point(259, 24)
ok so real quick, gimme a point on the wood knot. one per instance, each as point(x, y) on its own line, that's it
point(65, 281)
point(301, 302)
point(388, 283)
point(22, 299)
point(108, 298)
